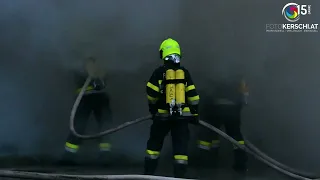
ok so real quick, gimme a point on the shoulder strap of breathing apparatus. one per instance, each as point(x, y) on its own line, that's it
point(173, 85)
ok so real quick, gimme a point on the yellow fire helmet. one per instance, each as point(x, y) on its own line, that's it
point(170, 50)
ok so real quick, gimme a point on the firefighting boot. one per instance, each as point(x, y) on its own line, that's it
point(150, 166)
point(215, 148)
point(179, 170)
point(208, 154)
point(215, 157)
point(104, 154)
point(68, 159)
point(203, 154)
point(206, 158)
point(240, 161)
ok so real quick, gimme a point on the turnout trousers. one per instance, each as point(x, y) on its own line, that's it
point(98, 104)
point(230, 117)
point(180, 138)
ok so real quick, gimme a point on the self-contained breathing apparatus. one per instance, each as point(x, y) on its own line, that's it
point(175, 91)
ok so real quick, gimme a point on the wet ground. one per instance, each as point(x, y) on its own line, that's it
point(202, 165)
point(257, 171)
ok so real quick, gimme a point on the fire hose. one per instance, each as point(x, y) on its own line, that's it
point(249, 148)
point(254, 149)
point(51, 176)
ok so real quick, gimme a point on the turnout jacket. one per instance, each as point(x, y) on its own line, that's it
point(232, 92)
point(157, 98)
point(95, 86)
point(95, 95)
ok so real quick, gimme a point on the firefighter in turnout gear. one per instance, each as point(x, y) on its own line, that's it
point(95, 101)
point(228, 99)
point(173, 103)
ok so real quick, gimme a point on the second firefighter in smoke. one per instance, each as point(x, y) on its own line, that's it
point(95, 101)
point(173, 102)
point(224, 108)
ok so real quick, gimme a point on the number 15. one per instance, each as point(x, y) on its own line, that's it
point(303, 9)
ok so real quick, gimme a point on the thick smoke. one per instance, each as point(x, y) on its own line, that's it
point(42, 42)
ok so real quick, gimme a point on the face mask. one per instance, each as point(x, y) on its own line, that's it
point(175, 58)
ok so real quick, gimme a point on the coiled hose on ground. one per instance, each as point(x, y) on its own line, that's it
point(249, 148)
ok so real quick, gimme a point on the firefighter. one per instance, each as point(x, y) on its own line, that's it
point(96, 101)
point(173, 103)
point(228, 101)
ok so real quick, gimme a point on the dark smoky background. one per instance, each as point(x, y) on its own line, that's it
point(43, 41)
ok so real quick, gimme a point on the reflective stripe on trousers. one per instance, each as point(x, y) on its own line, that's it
point(105, 146)
point(73, 148)
point(241, 143)
point(181, 159)
point(205, 145)
point(152, 154)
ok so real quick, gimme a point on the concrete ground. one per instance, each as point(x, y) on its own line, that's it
point(257, 170)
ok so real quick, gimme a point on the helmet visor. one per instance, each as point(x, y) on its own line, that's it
point(175, 58)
